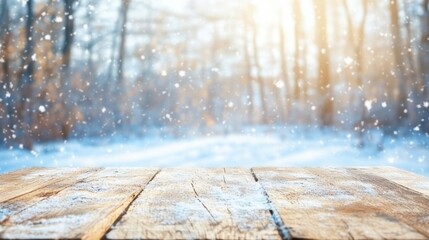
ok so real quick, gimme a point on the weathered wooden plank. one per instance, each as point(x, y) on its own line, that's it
point(5, 177)
point(198, 204)
point(344, 203)
point(407, 179)
point(22, 202)
point(84, 210)
point(23, 181)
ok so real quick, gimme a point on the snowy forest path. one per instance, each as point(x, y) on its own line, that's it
point(214, 203)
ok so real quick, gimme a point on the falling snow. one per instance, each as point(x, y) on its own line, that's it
point(241, 83)
point(42, 109)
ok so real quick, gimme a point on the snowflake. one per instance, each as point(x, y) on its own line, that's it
point(368, 105)
point(58, 19)
point(182, 73)
point(42, 109)
point(279, 84)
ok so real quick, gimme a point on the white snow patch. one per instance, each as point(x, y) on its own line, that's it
point(251, 148)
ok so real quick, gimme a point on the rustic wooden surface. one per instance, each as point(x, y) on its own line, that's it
point(231, 203)
point(199, 204)
point(333, 203)
point(410, 180)
point(84, 210)
point(11, 184)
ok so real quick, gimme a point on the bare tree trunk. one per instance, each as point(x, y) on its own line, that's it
point(279, 105)
point(7, 105)
point(258, 70)
point(248, 75)
point(360, 43)
point(283, 63)
point(110, 76)
point(424, 48)
point(402, 108)
point(90, 45)
point(213, 86)
point(357, 40)
point(297, 28)
point(123, 39)
point(411, 73)
point(424, 60)
point(119, 84)
point(65, 85)
point(303, 70)
point(326, 109)
point(276, 91)
point(26, 82)
point(68, 33)
point(303, 73)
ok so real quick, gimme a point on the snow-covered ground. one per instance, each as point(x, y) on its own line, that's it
point(253, 147)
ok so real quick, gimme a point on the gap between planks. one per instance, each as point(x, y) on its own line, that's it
point(406, 182)
point(210, 203)
point(281, 228)
point(326, 203)
point(131, 203)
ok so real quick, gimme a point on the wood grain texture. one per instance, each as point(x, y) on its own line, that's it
point(198, 204)
point(407, 179)
point(328, 203)
point(20, 203)
point(23, 181)
point(83, 210)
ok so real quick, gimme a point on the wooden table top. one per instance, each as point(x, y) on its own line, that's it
point(223, 203)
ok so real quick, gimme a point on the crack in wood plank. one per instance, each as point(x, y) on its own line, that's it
point(199, 200)
point(359, 204)
point(169, 207)
point(129, 205)
point(347, 229)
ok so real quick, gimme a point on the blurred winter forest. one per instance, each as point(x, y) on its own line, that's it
point(85, 68)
